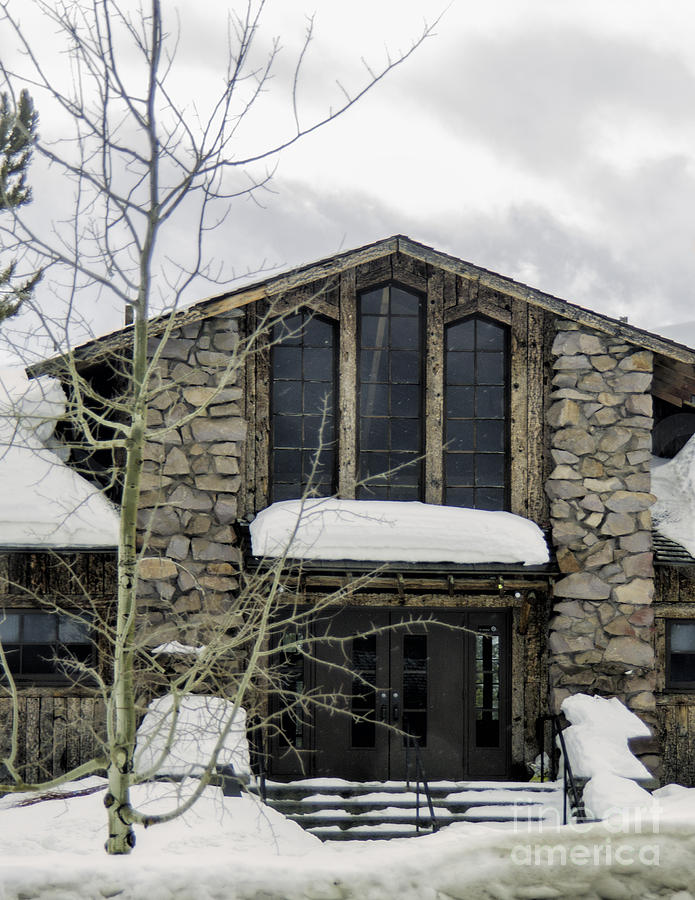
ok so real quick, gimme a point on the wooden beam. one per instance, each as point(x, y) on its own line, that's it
point(347, 387)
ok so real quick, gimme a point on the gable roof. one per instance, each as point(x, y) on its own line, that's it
point(332, 266)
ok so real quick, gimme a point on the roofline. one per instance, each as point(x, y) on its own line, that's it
point(334, 265)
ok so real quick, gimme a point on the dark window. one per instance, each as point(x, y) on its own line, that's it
point(487, 690)
point(390, 400)
point(45, 645)
point(673, 428)
point(680, 654)
point(303, 407)
point(363, 691)
point(475, 452)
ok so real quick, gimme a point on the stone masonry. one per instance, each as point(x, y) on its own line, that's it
point(600, 422)
point(190, 481)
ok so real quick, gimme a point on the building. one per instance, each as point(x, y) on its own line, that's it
point(58, 538)
point(470, 390)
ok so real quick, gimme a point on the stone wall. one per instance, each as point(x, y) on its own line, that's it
point(190, 481)
point(600, 421)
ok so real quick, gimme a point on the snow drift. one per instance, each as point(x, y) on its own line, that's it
point(383, 531)
point(673, 483)
point(199, 724)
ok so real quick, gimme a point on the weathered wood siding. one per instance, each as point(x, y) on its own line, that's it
point(59, 725)
point(674, 599)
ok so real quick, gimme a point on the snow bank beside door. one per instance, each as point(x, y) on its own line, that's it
point(197, 726)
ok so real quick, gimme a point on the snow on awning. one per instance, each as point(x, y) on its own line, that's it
point(44, 503)
point(673, 483)
point(391, 531)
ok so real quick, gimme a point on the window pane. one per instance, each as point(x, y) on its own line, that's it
point(683, 637)
point(461, 336)
point(375, 302)
point(374, 365)
point(489, 402)
point(318, 364)
point(405, 333)
point(460, 402)
point(375, 331)
point(490, 368)
point(318, 333)
point(316, 394)
point(38, 659)
point(287, 362)
point(9, 627)
point(288, 431)
point(287, 397)
point(403, 303)
point(13, 655)
point(460, 368)
point(489, 336)
point(460, 496)
point(374, 434)
point(289, 330)
point(373, 464)
point(490, 469)
point(460, 434)
point(405, 434)
point(72, 631)
point(489, 498)
point(287, 465)
point(403, 492)
point(405, 367)
point(683, 667)
point(405, 400)
point(459, 468)
point(405, 469)
point(490, 435)
point(374, 400)
point(40, 627)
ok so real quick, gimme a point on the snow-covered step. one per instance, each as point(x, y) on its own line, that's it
point(334, 809)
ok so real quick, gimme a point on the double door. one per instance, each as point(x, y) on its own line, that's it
point(387, 675)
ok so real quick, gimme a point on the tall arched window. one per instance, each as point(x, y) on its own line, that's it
point(476, 418)
point(303, 407)
point(390, 395)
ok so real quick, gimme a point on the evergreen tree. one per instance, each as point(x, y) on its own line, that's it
point(17, 136)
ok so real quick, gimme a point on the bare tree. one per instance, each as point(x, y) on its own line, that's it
point(140, 163)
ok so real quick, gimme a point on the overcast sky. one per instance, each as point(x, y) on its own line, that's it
point(553, 142)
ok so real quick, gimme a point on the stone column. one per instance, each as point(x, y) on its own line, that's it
point(191, 478)
point(600, 421)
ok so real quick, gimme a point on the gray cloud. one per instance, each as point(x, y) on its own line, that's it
point(537, 97)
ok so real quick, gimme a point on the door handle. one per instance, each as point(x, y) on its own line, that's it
point(395, 711)
point(382, 708)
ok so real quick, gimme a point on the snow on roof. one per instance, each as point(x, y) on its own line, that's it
point(673, 483)
point(44, 503)
point(383, 531)
point(597, 739)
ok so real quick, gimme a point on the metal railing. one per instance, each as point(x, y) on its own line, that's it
point(412, 752)
point(569, 782)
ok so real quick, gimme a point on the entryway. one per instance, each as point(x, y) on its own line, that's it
point(438, 675)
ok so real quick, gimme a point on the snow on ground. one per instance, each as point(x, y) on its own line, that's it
point(199, 722)
point(236, 849)
point(382, 531)
point(43, 503)
point(673, 483)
